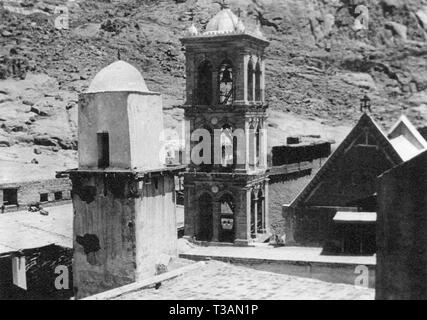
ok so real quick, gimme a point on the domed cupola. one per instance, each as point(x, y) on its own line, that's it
point(224, 22)
point(118, 76)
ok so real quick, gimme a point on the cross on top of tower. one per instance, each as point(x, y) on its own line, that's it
point(365, 104)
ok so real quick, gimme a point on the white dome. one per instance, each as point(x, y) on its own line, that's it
point(118, 76)
point(224, 21)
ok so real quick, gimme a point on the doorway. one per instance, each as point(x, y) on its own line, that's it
point(205, 229)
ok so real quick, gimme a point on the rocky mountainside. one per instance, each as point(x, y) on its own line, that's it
point(320, 61)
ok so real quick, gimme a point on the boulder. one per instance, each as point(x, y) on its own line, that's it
point(397, 29)
point(359, 79)
point(418, 98)
point(44, 141)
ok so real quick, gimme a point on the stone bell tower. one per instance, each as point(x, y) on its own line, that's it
point(123, 195)
point(226, 186)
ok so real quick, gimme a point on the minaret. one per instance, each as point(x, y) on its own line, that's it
point(226, 186)
point(123, 195)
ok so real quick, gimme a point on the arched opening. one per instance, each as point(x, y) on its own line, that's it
point(204, 83)
point(257, 145)
point(252, 143)
point(250, 82)
point(205, 225)
point(225, 82)
point(227, 147)
point(258, 74)
point(208, 146)
point(235, 153)
point(227, 219)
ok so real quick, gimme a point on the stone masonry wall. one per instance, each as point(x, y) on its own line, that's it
point(29, 192)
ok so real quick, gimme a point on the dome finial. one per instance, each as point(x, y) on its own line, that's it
point(118, 55)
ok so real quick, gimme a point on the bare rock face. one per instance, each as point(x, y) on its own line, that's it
point(318, 65)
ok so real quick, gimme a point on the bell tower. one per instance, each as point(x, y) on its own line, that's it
point(226, 186)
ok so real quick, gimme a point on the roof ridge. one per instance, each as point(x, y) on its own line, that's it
point(338, 151)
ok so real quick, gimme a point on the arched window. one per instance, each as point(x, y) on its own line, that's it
point(250, 81)
point(204, 83)
point(257, 145)
point(207, 146)
point(227, 218)
point(252, 145)
point(225, 82)
point(227, 146)
point(258, 89)
point(260, 212)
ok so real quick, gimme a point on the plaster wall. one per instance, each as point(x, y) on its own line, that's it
point(98, 112)
point(156, 232)
point(145, 117)
point(111, 219)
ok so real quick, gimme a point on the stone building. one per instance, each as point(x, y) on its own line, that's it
point(337, 209)
point(123, 194)
point(18, 194)
point(401, 270)
point(226, 193)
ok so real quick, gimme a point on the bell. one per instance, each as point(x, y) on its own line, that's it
point(226, 76)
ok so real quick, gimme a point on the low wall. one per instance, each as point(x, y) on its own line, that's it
point(324, 271)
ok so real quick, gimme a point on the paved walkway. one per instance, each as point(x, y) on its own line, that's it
point(218, 280)
point(266, 252)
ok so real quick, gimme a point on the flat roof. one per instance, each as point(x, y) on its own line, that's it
point(22, 230)
point(355, 217)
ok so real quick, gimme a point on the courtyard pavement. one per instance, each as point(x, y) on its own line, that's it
point(219, 280)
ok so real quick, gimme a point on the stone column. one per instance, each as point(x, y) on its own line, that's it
point(239, 133)
point(240, 78)
point(217, 148)
point(190, 211)
point(266, 202)
point(248, 145)
point(262, 80)
point(256, 214)
point(242, 217)
point(254, 148)
point(263, 146)
point(216, 212)
point(253, 83)
point(191, 81)
point(215, 85)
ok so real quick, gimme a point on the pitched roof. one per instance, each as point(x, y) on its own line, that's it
point(365, 122)
point(406, 139)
